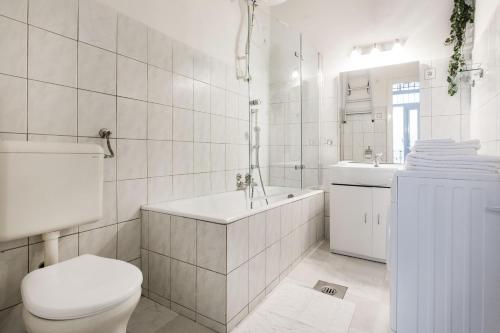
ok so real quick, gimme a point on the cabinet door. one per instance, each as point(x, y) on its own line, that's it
point(351, 220)
point(381, 206)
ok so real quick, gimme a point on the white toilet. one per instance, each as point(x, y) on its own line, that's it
point(47, 187)
point(80, 295)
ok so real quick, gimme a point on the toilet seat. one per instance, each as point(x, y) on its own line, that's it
point(79, 287)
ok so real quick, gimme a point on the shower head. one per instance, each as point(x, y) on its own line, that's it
point(270, 2)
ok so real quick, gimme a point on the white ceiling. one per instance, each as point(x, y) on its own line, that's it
point(334, 27)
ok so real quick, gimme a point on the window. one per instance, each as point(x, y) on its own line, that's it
point(405, 112)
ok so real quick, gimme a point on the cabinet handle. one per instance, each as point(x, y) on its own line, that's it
point(378, 218)
point(366, 216)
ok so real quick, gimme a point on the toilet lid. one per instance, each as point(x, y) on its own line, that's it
point(79, 287)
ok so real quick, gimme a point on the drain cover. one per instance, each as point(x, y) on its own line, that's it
point(331, 289)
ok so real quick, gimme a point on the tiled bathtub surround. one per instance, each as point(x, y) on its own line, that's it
point(217, 273)
point(178, 117)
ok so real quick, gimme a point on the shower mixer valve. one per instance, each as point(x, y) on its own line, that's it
point(244, 184)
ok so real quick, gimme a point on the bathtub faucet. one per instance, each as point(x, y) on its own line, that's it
point(244, 184)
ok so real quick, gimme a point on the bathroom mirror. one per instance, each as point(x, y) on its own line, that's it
point(379, 113)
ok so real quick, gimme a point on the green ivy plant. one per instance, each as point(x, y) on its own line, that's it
point(463, 13)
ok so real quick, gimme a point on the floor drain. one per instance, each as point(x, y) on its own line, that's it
point(331, 289)
point(328, 290)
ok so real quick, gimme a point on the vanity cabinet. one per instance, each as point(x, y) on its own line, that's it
point(358, 220)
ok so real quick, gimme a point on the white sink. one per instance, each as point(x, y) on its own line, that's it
point(355, 173)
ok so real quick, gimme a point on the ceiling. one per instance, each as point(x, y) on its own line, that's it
point(334, 27)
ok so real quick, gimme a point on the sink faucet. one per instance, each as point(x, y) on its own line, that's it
point(376, 160)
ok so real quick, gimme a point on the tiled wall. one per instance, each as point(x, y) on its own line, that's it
point(485, 109)
point(217, 273)
point(179, 118)
point(441, 115)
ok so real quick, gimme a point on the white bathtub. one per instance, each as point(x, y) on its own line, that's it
point(229, 207)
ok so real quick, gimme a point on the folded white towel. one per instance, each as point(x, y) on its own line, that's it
point(432, 169)
point(446, 155)
point(447, 152)
point(475, 159)
point(446, 145)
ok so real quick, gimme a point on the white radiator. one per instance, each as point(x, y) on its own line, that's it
point(445, 254)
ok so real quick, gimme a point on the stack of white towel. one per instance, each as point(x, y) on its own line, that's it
point(450, 156)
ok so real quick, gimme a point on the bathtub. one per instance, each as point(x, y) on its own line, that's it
point(228, 207)
point(214, 258)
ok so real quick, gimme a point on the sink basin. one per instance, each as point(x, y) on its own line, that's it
point(357, 173)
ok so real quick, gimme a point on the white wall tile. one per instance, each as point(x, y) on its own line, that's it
point(182, 157)
point(132, 119)
point(202, 184)
point(218, 101)
point(159, 232)
point(16, 9)
point(98, 24)
point(100, 242)
point(131, 195)
point(183, 239)
point(13, 104)
point(183, 125)
point(59, 16)
point(201, 157)
point(159, 122)
point(131, 159)
point(201, 70)
point(272, 263)
point(237, 244)
point(218, 73)
point(201, 96)
point(210, 301)
point(183, 186)
point(218, 128)
point(184, 284)
point(17, 262)
point(159, 158)
point(95, 111)
point(211, 246)
point(52, 58)
point(159, 86)
point(52, 109)
point(237, 291)
point(183, 59)
point(132, 78)
point(218, 157)
point(273, 224)
point(160, 189)
point(132, 38)
point(13, 43)
point(159, 274)
point(129, 240)
point(96, 69)
point(182, 92)
point(202, 127)
point(257, 233)
point(257, 275)
point(160, 50)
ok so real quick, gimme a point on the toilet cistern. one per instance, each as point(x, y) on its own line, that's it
point(47, 187)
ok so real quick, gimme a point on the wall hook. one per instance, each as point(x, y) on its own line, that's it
point(104, 133)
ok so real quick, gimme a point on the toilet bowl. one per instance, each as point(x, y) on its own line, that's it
point(81, 295)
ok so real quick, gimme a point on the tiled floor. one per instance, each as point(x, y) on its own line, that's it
point(368, 284)
point(368, 290)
